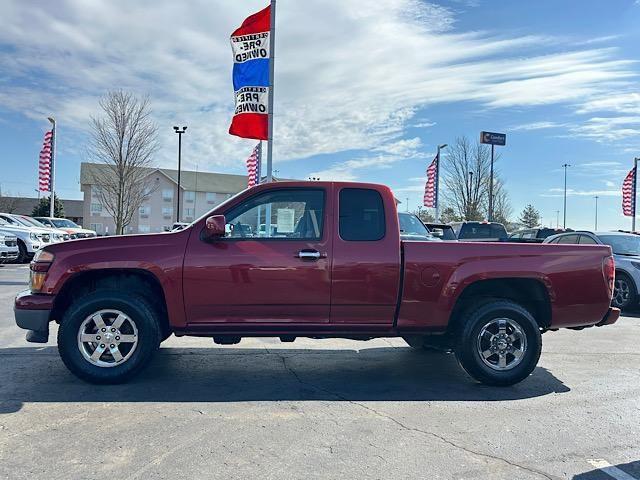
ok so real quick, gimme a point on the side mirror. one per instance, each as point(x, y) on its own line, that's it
point(214, 227)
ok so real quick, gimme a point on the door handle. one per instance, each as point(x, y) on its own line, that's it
point(310, 254)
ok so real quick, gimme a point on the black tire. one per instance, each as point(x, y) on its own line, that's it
point(137, 308)
point(624, 293)
point(469, 345)
point(23, 255)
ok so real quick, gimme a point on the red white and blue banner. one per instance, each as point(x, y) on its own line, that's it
point(628, 194)
point(44, 165)
point(250, 46)
point(430, 198)
point(253, 166)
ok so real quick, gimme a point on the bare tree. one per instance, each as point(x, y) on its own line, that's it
point(124, 141)
point(467, 173)
point(502, 210)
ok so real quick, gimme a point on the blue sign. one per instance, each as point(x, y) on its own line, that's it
point(492, 138)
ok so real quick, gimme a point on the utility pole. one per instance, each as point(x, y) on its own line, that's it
point(179, 132)
point(469, 193)
point(437, 188)
point(596, 197)
point(635, 192)
point(564, 223)
point(557, 218)
point(272, 61)
point(407, 204)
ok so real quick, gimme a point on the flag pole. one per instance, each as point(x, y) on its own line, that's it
point(272, 60)
point(635, 189)
point(52, 198)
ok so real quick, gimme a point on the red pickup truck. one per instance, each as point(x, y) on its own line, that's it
point(310, 259)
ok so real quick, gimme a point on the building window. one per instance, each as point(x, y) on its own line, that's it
point(96, 208)
point(144, 229)
point(95, 191)
point(96, 227)
point(167, 195)
point(145, 211)
point(167, 212)
point(189, 213)
point(211, 197)
point(189, 196)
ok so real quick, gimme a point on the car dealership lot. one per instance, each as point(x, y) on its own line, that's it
point(320, 409)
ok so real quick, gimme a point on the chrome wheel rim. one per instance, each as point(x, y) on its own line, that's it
point(501, 344)
point(621, 292)
point(107, 338)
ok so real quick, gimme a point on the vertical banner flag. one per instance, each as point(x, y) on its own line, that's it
point(430, 193)
point(253, 167)
point(250, 46)
point(44, 165)
point(628, 189)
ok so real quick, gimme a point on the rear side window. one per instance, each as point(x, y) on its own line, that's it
point(361, 215)
point(587, 240)
point(568, 239)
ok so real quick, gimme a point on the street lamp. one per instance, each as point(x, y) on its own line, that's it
point(440, 147)
point(564, 222)
point(179, 132)
point(596, 197)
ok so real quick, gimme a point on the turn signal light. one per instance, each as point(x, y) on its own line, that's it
point(38, 270)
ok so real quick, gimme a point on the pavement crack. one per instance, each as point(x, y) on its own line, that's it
point(414, 429)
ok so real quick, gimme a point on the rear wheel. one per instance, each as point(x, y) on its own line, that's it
point(23, 255)
point(108, 336)
point(499, 343)
point(624, 292)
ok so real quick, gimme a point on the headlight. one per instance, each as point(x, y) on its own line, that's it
point(56, 236)
point(33, 236)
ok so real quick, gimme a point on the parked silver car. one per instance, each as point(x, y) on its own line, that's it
point(626, 252)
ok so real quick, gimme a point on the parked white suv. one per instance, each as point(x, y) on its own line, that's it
point(56, 234)
point(8, 248)
point(30, 240)
point(73, 229)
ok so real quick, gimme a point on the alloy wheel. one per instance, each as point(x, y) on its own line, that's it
point(501, 344)
point(107, 338)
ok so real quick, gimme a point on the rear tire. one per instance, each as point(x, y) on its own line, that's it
point(499, 343)
point(23, 255)
point(108, 336)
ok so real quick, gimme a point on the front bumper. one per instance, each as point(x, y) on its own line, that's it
point(33, 313)
point(610, 318)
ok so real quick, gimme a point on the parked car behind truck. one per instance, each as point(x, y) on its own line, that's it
point(626, 252)
point(479, 231)
point(335, 267)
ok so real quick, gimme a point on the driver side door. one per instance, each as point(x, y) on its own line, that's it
point(272, 266)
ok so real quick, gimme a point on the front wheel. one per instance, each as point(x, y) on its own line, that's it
point(624, 292)
point(108, 337)
point(500, 343)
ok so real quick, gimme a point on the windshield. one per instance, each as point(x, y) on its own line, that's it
point(64, 223)
point(622, 244)
point(411, 225)
point(31, 222)
point(20, 221)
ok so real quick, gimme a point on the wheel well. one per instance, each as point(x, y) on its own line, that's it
point(140, 282)
point(531, 294)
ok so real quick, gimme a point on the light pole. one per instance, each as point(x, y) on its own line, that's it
point(52, 198)
point(179, 132)
point(440, 147)
point(564, 222)
point(596, 197)
point(557, 218)
point(469, 192)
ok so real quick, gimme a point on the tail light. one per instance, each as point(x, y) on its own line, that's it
point(609, 272)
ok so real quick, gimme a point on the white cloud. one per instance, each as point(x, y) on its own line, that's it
point(536, 126)
point(559, 192)
point(349, 75)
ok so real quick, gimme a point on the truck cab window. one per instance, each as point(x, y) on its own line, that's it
point(361, 215)
point(278, 214)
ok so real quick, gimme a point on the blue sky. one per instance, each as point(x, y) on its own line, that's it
point(364, 90)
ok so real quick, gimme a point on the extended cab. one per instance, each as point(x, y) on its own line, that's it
point(332, 265)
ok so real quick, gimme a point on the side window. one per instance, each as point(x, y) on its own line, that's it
point(573, 239)
point(361, 215)
point(278, 214)
point(529, 234)
point(587, 240)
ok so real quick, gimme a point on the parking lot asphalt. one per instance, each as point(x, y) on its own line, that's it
point(320, 409)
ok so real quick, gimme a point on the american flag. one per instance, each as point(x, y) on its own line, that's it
point(430, 191)
point(253, 167)
point(628, 189)
point(44, 169)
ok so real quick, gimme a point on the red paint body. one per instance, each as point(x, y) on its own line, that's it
point(260, 287)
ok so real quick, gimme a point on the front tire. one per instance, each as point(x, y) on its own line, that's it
point(499, 343)
point(108, 337)
point(624, 293)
